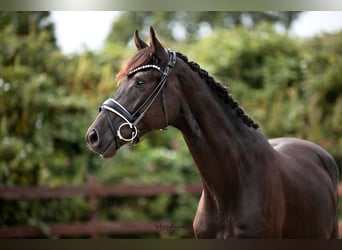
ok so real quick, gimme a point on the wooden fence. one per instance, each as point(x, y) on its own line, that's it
point(93, 191)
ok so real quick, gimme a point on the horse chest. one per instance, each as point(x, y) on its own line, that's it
point(213, 222)
point(210, 225)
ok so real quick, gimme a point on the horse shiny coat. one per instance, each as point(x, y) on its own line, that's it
point(252, 187)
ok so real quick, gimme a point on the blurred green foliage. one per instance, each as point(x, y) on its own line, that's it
point(188, 25)
point(292, 87)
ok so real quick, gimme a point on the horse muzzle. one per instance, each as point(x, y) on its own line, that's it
point(99, 145)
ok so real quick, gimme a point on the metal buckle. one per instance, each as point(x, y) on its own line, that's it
point(134, 132)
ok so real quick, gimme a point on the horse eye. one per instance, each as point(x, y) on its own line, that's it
point(139, 82)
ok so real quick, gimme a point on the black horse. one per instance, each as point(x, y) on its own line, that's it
point(252, 187)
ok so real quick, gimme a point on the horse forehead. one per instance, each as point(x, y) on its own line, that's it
point(140, 58)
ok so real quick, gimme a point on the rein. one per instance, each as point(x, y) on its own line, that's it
point(132, 120)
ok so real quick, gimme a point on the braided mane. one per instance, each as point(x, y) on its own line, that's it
point(221, 90)
point(143, 57)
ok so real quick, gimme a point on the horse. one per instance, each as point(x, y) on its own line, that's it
point(252, 187)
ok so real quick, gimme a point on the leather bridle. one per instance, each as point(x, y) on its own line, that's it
point(132, 120)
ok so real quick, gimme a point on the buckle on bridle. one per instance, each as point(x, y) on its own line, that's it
point(134, 132)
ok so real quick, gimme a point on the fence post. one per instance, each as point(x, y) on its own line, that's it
point(92, 191)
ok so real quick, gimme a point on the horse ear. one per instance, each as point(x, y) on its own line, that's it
point(140, 44)
point(156, 48)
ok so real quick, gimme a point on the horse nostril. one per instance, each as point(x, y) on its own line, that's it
point(93, 137)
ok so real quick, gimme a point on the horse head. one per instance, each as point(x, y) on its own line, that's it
point(146, 99)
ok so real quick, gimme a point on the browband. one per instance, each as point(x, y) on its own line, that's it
point(147, 66)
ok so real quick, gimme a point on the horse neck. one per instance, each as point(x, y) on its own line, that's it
point(222, 145)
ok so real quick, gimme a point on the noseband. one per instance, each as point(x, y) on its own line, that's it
point(132, 120)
